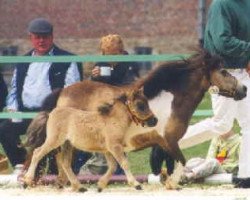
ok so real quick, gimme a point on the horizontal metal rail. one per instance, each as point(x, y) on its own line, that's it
point(92, 58)
point(30, 115)
point(89, 58)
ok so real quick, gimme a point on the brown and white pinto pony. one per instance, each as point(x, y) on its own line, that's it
point(174, 90)
point(102, 131)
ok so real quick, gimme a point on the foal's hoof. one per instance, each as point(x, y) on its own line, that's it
point(59, 186)
point(138, 187)
point(82, 189)
point(25, 185)
point(99, 189)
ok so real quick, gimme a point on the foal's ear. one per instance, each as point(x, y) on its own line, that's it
point(123, 98)
point(137, 93)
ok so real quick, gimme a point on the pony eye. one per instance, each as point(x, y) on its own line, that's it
point(141, 106)
point(224, 72)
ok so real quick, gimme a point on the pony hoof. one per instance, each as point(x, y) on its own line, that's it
point(138, 187)
point(82, 189)
point(25, 185)
point(99, 189)
point(59, 187)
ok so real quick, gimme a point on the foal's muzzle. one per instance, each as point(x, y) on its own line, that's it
point(152, 121)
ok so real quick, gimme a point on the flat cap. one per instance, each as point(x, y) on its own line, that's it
point(40, 26)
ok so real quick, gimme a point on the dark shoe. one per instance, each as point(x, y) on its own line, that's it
point(241, 182)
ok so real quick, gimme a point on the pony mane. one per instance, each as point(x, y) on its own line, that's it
point(170, 75)
point(106, 108)
point(175, 75)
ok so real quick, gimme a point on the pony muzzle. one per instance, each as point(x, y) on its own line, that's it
point(240, 93)
point(151, 121)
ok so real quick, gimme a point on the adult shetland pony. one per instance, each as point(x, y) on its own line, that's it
point(174, 90)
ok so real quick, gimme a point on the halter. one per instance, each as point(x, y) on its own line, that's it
point(133, 114)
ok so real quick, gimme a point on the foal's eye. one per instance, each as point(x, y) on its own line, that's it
point(141, 106)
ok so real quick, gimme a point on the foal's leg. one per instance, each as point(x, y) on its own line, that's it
point(117, 151)
point(112, 165)
point(38, 154)
point(67, 150)
point(62, 178)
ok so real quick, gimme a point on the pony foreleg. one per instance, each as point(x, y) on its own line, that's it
point(119, 155)
point(112, 165)
point(149, 139)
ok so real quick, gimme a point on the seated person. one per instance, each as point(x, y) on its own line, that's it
point(31, 83)
point(222, 157)
point(120, 73)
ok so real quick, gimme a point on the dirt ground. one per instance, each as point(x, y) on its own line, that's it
point(200, 192)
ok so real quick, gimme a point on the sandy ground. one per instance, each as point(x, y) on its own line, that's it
point(158, 192)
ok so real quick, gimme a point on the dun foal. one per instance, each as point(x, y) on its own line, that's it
point(103, 131)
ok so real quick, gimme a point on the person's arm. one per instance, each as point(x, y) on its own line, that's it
point(72, 75)
point(3, 92)
point(220, 22)
point(11, 101)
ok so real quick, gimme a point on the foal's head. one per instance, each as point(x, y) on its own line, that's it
point(137, 106)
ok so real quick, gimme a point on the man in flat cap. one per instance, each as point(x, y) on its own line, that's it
point(31, 83)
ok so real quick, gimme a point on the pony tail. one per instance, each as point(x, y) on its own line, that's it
point(36, 132)
point(50, 101)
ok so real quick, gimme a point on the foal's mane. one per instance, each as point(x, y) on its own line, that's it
point(175, 75)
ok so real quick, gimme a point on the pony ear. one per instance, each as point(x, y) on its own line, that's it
point(123, 98)
point(213, 61)
point(139, 83)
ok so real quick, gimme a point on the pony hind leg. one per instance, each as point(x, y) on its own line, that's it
point(62, 178)
point(112, 165)
point(67, 150)
point(38, 154)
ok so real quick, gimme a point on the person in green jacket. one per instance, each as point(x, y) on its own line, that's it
point(227, 34)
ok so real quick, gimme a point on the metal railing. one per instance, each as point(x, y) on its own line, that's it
point(90, 58)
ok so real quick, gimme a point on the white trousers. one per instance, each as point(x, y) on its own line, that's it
point(226, 110)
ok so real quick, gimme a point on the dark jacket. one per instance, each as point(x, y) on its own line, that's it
point(57, 74)
point(3, 92)
point(122, 73)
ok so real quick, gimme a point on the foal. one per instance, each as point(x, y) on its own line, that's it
point(103, 131)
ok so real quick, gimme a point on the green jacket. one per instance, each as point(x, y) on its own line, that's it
point(228, 31)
